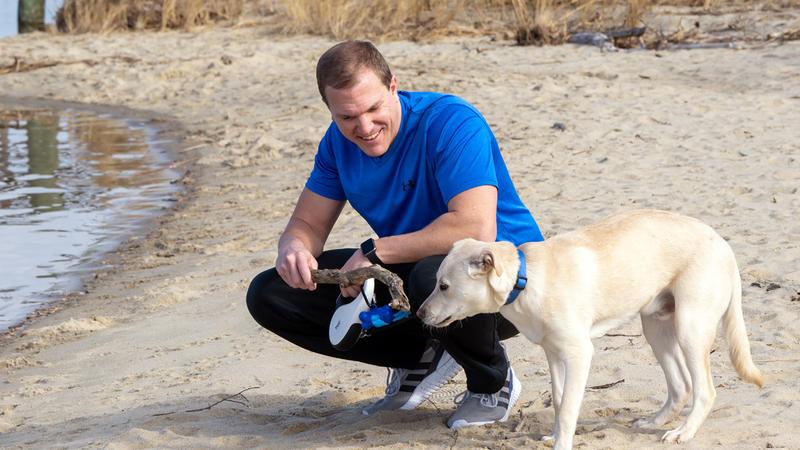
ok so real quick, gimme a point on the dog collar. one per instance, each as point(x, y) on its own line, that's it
point(522, 279)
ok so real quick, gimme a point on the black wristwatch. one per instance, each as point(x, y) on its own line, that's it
point(369, 250)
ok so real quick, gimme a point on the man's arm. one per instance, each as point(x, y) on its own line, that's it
point(472, 213)
point(304, 238)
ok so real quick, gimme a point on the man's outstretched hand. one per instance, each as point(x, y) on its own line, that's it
point(294, 265)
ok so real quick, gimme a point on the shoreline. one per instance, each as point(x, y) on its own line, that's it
point(710, 134)
point(170, 135)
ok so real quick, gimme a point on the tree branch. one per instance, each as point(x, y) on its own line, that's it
point(359, 276)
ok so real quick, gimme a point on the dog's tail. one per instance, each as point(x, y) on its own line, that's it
point(738, 344)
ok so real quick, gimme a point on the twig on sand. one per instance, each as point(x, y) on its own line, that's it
point(19, 65)
point(226, 399)
point(608, 385)
point(359, 276)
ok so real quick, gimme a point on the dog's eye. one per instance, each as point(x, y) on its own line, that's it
point(443, 286)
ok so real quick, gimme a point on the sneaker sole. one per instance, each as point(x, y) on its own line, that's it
point(448, 367)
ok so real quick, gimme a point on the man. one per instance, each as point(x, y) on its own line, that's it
point(424, 170)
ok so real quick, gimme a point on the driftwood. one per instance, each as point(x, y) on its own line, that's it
point(626, 32)
point(359, 276)
point(607, 385)
point(230, 398)
point(20, 65)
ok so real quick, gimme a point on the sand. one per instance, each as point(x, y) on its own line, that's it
point(709, 133)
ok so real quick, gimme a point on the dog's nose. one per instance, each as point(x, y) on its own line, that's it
point(421, 314)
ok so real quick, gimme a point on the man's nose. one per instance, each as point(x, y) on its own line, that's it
point(364, 124)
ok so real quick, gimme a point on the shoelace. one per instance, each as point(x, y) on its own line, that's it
point(393, 381)
point(488, 400)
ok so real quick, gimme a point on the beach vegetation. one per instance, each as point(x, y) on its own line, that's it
point(101, 16)
point(624, 23)
point(538, 22)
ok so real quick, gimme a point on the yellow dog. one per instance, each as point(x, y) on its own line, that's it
point(677, 273)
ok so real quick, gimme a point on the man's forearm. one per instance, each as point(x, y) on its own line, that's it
point(435, 239)
point(298, 230)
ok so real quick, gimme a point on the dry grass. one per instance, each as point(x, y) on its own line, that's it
point(535, 22)
point(372, 18)
point(529, 21)
point(81, 16)
point(532, 21)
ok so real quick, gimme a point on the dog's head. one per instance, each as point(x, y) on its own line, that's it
point(474, 278)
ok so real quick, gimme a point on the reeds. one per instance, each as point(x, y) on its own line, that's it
point(531, 21)
point(371, 18)
point(535, 22)
point(80, 16)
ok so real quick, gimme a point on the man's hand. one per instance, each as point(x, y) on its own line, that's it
point(357, 261)
point(295, 264)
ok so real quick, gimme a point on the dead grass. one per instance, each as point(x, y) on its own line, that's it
point(386, 19)
point(530, 21)
point(81, 16)
point(537, 22)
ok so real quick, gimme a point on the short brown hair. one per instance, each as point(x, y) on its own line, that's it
point(338, 66)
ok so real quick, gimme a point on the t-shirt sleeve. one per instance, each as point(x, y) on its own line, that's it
point(324, 178)
point(464, 153)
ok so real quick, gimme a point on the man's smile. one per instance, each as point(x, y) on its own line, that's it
point(372, 136)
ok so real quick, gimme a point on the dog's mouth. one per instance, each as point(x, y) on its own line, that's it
point(443, 323)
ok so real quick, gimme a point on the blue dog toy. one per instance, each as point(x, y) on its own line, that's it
point(354, 317)
point(380, 316)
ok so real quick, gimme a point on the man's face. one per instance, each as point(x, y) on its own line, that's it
point(367, 113)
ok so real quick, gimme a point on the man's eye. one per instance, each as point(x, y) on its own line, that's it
point(443, 286)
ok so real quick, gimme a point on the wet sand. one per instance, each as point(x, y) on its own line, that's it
point(708, 133)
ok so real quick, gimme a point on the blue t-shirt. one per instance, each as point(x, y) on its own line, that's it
point(444, 147)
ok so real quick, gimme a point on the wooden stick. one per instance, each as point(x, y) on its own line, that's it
point(226, 399)
point(607, 385)
point(359, 276)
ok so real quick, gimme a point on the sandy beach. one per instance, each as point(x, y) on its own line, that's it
point(137, 358)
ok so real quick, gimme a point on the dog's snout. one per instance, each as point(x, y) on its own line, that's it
point(421, 314)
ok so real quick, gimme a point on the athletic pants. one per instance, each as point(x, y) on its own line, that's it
point(302, 317)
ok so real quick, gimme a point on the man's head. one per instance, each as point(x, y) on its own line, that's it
point(361, 93)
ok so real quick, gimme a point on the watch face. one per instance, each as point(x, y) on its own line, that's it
point(368, 249)
point(367, 246)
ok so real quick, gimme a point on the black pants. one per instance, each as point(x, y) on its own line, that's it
point(302, 317)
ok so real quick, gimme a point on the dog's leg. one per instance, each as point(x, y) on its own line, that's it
point(577, 357)
point(695, 334)
point(660, 334)
point(556, 367)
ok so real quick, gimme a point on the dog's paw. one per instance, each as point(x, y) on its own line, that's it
point(677, 436)
point(546, 438)
point(671, 436)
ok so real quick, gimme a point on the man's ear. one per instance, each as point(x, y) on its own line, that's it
point(482, 263)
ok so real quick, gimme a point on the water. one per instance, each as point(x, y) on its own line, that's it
point(8, 15)
point(73, 184)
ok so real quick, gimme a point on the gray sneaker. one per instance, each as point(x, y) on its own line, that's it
point(482, 409)
point(407, 388)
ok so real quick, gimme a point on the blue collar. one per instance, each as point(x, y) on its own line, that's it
point(522, 279)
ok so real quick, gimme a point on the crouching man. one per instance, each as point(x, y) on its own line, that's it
point(424, 170)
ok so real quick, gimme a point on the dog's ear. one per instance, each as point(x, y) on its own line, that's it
point(499, 278)
point(482, 263)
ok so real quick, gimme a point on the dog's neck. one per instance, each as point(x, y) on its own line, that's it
point(534, 252)
point(522, 279)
